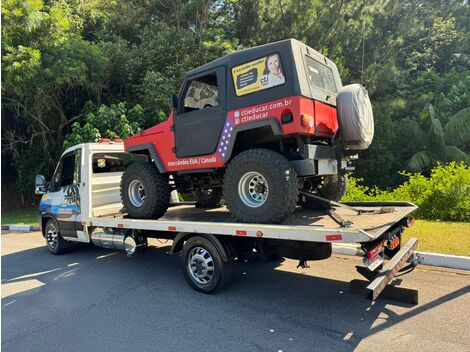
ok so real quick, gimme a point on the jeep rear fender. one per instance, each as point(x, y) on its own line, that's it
point(148, 149)
point(272, 123)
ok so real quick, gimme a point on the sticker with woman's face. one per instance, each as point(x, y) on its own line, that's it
point(265, 72)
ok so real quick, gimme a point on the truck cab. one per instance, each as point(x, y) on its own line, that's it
point(85, 184)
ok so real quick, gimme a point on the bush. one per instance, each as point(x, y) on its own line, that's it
point(445, 195)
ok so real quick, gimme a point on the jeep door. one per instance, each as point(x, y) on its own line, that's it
point(201, 113)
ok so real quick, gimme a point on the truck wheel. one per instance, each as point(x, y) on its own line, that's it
point(332, 187)
point(145, 193)
point(209, 197)
point(54, 241)
point(203, 266)
point(260, 186)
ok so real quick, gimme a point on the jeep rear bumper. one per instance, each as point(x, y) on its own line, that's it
point(319, 160)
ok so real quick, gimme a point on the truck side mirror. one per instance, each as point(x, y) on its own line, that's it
point(174, 102)
point(41, 185)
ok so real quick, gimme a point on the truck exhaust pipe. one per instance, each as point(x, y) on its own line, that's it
point(128, 241)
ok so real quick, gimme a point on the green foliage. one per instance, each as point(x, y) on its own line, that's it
point(49, 73)
point(445, 195)
point(59, 57)
point(457, 129)
point(112, 122)
point(433, 142)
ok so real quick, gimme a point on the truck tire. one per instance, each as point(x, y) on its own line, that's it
point(54, 241)
point(332, 187)
point(203, 266)
point(145, 193)
point(260, 186)
point(209, 197)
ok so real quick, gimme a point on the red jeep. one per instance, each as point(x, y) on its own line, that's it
point(252, 128)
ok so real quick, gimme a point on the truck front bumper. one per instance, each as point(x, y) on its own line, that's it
point(320, 160)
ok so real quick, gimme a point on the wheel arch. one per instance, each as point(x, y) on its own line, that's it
point(235, 145)
point(223, 245)
point(44, 219)
point(149, 150)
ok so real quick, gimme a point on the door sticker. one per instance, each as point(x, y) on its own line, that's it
point(263, 73)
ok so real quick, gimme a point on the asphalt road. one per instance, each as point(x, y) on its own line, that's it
point(98, 300)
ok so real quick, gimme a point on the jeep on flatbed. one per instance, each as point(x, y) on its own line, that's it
point(253, 128)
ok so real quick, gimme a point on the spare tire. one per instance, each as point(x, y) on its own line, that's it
point(355, 117)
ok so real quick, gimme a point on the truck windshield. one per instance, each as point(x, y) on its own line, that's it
point(114, 162)
point(319, 75)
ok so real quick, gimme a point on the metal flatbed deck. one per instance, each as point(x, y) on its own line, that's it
point(304, 225)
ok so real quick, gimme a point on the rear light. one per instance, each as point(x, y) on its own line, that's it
point(307, 121)
point(393, 242)
point(410, 221)
point(107, 140)
point(374, 252)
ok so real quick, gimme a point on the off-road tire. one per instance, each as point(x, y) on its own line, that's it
point(282, 181)
point(209, 198)
point(221, 269)
point(157, 191)
point(58, 245)
point(333, 187)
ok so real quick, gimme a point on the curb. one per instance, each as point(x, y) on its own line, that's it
point(445, 260)
point(21, 228)
point(432, 259)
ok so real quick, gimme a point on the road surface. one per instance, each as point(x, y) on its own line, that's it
point(94, 299)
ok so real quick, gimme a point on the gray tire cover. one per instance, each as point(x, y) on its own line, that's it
point(356, 120)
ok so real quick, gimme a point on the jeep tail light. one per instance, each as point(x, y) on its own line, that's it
point(307, 121)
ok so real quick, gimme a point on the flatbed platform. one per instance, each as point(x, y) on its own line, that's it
point(369, 222)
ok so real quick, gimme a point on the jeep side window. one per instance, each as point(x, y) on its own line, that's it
point(202, 93)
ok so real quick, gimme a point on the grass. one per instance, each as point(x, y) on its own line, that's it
point(28, 216)
point(440, 236)
point(433, 236)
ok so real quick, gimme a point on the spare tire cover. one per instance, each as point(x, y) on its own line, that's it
point(355, 117)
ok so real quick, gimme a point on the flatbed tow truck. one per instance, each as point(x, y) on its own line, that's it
point(82, 204)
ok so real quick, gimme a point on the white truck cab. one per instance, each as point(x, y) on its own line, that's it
point(85, 184)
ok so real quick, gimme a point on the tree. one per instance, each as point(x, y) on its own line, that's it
point(113, 122)
point(432, 142)
point(49, 73)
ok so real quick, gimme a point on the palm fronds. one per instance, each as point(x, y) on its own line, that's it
point(457, 129)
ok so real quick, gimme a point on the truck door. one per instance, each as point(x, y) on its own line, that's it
point(201, 114)
point(64, 194)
